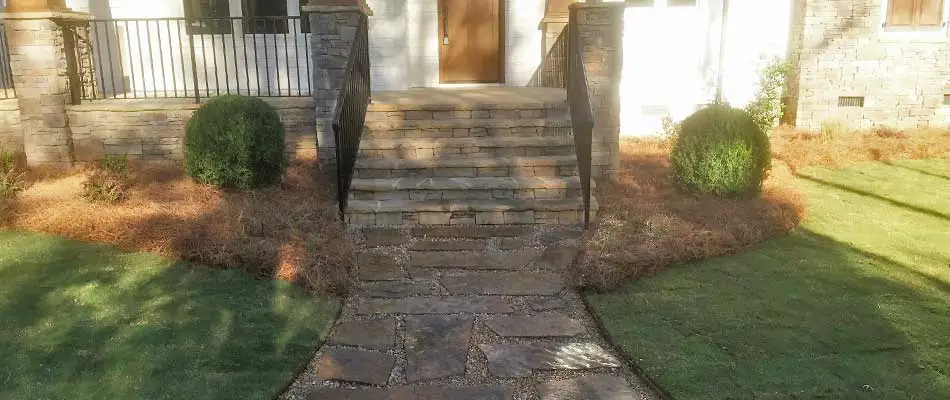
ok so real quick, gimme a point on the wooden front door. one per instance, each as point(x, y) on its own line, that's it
point(470, 44)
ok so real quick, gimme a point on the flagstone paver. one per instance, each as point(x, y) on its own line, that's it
point(479, 313)
point(504, 283)
point(546, 303)
point(378, 266)
point(428, 392)
point(437, 346)
point(435, 305)
point(395, 290)
point(596, 387)
point(541, 325)
point(378, 334)
point(356, 366)
point(519, 360)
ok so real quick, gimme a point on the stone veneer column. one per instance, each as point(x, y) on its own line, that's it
point(333, 25)
point(601, 32)
point(38, 62)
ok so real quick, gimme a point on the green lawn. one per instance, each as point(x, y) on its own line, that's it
point(854, 305)
point(81, 321)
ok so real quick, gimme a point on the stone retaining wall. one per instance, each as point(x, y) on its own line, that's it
point(11, 133)
point(154, 129)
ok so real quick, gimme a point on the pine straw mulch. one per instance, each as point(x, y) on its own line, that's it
point(807, 149)
point(290, 231)
point(645, 222)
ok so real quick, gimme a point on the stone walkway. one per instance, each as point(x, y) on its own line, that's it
point(467, 313)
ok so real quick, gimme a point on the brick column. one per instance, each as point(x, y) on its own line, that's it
point(38, 62)
point(601, 31)
point(333, 25)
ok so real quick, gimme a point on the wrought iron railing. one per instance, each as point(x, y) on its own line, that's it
point(191, 58)
point(7, 89)
point(350, 114)
point(552, 72)
point(582, 112)
point(563, 67)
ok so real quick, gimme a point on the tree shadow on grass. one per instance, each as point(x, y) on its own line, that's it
point(89, 322)
point(917, 170)
point(803, 316)
point(861, 192)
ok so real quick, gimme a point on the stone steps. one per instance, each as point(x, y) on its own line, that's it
point(467, 212)
point(462, 128)
point(426, 149)
point(487, 156)
point(471, 167)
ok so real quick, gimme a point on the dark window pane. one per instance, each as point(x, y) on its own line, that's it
point(265, 16)
point(207, 17)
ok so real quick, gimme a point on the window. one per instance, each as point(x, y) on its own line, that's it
point(259, 16)
point(207, 17)
point(914, 15)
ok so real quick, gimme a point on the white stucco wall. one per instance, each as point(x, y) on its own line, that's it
point(671, 57)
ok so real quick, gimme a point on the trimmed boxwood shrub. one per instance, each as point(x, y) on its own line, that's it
point(235, 142)
point(721, 151)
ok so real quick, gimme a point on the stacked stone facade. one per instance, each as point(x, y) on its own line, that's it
point(840, 49)
point(601, 32)
point(333, 32)
point(38, 63)
point(11, 133)
point(154, 129)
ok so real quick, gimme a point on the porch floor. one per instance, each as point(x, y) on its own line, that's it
point(476, 96)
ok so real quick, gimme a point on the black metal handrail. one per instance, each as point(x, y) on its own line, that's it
point(7, 89)
point(191, 58)
point(350, 114)
point(563, 67)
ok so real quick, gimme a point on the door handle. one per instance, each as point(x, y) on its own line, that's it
point(445, 25)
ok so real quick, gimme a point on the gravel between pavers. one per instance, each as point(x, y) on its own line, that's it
point(476, 366)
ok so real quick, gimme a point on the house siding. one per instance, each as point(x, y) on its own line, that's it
point(841, 49)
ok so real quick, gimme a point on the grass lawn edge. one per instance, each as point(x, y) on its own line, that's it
point(625, 358)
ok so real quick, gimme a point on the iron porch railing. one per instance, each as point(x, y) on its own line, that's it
point(350, 114)
point(563, 67)
point(191, 58)
point(7, 88)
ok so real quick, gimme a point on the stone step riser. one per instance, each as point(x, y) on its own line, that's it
point(480, 172)
point(462, 218)
point(559, 112)
point(474, 132)
point(409, 153)
point(468, 194)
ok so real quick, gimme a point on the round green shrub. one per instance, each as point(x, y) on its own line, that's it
point(235, 142)
point(720, 150)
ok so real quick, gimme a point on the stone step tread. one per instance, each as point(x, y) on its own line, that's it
point(383, 206)
point(539, 325)
point(513, 141)
point(485, 183)
point(502, 283)
point(468, 162)
point(469, 99)
point(452, 123)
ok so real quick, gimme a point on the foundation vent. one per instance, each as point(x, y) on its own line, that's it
point(851, 101)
